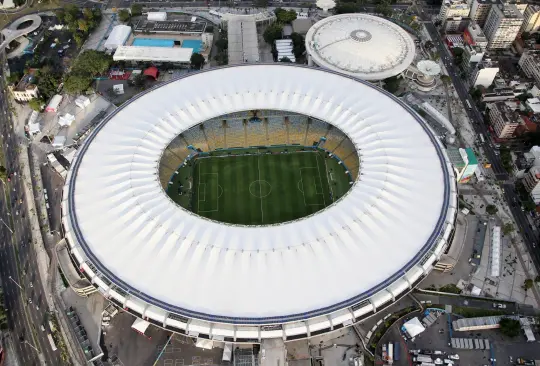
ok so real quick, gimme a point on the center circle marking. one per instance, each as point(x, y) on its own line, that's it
point(260, 188)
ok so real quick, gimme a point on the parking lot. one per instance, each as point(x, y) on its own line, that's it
point(437, 338)
point(134, 349)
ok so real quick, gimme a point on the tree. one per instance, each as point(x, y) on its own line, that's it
point(476, 93)
point(508, 228)
point(445, 79)
point(60, 15)
point(197, 60)
point(83, 25)
point(71, 14)
point(136, 10)
point(299, 46)
point(384, 8)
point(14, 78)
point(77, 83)
point(346, 8)
point(428, 45)
point(285, 16)
point(124, 15)
point(272, 33)
point(88, 14)
point(491, 209)
point(36, 104)
point(261, 3)
point(92, 62)
point(509, 327)
point(529, 205)
point(391, 84)
point(450, 288)
point(285, 59)
point(222, 44)
point(528, 284)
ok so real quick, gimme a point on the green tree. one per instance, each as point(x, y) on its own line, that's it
point(285, 16)
point(528, 284)
point(509, 327)
point(60, 15)
point(36, 104)
point(79, 39)
point(222, 44)
point(384, 8)
point(14, 78)
point(83, 25)
point(445, 79)
point(391, 84)
point(508, 228)
point(197, 60)
point(124, 15)
point(92, 62)
point(476, 93)
point(136, 10)
point(272, 33)
point(88, 14)
point(261, 3)
point(71, 14)
point(77, 83)
point(299, 46)
point(491, 209)
point(346, 8)
point(529, 205)
point(450, 288)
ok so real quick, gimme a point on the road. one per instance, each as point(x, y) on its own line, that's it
point(23, 289)
point(477, 119)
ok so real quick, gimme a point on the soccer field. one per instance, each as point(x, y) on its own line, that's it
point(260, 189)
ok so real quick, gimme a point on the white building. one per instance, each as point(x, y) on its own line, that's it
point(503, 119)
point(175, 55)
point(485, 73)
point(479, 10)
point(472, 54)
point(530, 64)
point(453, 9)
point(360, 45)
point(476, 35)
point(118, 37)
point(531, 181)
point(502, 25)
point(157, 16)
point(531, 19)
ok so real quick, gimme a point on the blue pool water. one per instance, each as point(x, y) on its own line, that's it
point(192, 43)
point(153, 42)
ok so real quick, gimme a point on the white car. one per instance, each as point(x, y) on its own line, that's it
point(453, 357)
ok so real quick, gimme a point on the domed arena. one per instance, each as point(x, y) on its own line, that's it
point(259, 201)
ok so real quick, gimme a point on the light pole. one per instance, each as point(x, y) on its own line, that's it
point(6, 225)
point(15, 282)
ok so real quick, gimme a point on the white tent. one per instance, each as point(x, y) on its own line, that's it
point(413, 327)
point(157, 15)
point(66, 120)
point(204, 343)
point(140, 325)
point(495, 269)
point(118, 37)
point(33, 128)
point(227, 351)
point(118, 89)
point(82, 101)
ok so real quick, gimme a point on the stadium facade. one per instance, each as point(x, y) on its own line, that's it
point(234, 283)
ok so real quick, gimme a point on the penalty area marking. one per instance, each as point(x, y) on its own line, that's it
point(204, 185)
point(301, 186)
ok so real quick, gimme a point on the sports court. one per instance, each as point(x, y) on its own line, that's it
point(260, 189)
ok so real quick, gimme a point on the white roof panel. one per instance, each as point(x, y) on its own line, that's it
point(157, 54)
point(142, 241)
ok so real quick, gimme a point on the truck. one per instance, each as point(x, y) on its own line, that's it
point(390, 357)
point(51, 341)
point(384, 353)
point(422, 358)
point(396, 351)
point(468, 103)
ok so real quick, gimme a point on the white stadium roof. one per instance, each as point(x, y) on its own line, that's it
point(373, 244)
point(360, 45)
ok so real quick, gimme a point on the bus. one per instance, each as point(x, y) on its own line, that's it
point(468, 103)
point(51, 341)
point(481, 137)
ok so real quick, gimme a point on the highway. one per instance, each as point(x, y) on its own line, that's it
point(23, 290)
point(477, 119)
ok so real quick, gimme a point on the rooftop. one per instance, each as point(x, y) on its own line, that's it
point(508, 115)
point(360, 45)
point(510, 11)
point(157, 54)
point(170, 26)
point(26, 82)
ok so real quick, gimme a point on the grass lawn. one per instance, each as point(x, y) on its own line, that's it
point(259, 189)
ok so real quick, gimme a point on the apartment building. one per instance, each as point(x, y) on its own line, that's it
point(479, 10)
point(531, 19)
point(503, 119)
point(474, 35)
point(530, 64)
point(502, 26)
point(453, 9)
point(531, 181)
point(485, 73)
point(25, 90)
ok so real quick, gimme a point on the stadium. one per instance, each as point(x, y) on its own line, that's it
point(259, 201)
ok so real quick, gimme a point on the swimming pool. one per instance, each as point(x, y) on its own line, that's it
point(153, 42)
point(192, 43)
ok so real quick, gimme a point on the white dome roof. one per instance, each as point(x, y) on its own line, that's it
point(116, 211)
point(360, 45)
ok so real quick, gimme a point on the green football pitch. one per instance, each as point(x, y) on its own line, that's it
point(260, 189)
